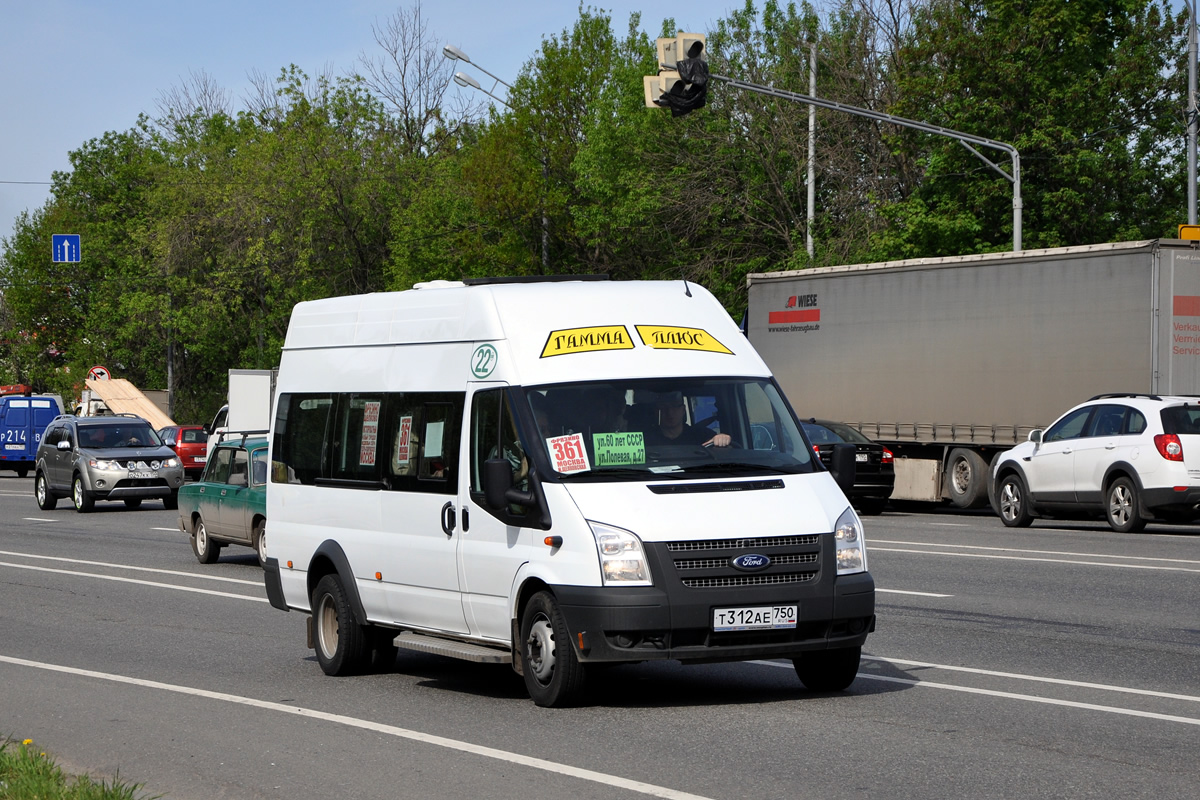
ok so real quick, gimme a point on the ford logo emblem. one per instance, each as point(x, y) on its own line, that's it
point(751, 561)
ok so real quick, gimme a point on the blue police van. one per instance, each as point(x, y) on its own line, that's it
point(22, 420)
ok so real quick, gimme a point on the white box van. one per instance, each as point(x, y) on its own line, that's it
point(552, 474)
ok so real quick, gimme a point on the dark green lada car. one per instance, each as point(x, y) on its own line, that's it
point(228, 505)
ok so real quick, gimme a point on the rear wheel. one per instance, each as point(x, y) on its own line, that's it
point(1121, 507)
point(342, 646)
point(966, 478)
point(83, 499)
point(45, 498)
point(259, 539)
point(553, 675)
point(133, 502)
point(1014, 506)
point(207, 551)
point(171, 502)
point(828, 670)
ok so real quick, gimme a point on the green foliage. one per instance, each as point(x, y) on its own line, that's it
point(203, 228)
point(28, 774)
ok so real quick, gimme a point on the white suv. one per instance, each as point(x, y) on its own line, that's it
point(1131, 457)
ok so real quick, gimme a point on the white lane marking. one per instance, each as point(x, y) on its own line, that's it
point(199, 575)
point(36, 519)
point(133, 580)
point(1043, 560)
point(1129, 712)
point(950, 524)
point(1037, 678)
point(1036, 552)
point(920, 594)
point(168, 530)
point(391, 730)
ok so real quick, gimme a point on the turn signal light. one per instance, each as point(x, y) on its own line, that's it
point(1169, 446)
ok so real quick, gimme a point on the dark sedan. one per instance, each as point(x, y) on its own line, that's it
point(875, 471)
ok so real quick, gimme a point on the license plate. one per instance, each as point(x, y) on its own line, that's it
point(749, 618)
point(861, 456)
point(143, 474)
point(200, 459)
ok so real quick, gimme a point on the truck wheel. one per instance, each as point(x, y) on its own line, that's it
point(83, 499)
point(828, 670)
point(207, 551)
point(342, 647)
point(45, 498)
point(1121, 507)
point(966, 478)
point(1014, 506)
point(553, 675)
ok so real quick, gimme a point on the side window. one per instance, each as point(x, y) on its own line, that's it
point(53, 434)
point(258, 467)
point(354, 443)
point(300, 424)
point(494, 435)
point(239, 471)
point(422, 435)
point(219, 467)
point(1107, 421)
point(1069, 427)
point(1136, 422)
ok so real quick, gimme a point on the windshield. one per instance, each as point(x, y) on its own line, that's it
point(107, 436)
point(664, 428)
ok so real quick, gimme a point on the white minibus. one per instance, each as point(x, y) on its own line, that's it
point(554, 473)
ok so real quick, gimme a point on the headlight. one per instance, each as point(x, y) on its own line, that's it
point(851, 549)
point(171, 462)
point(103, 463)
point(622, 558)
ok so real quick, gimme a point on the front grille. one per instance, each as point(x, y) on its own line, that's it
point(742, 544)
point(708, 564)
point(748, 580)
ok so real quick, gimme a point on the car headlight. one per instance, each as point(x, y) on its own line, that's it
point(103, 463)
point(622, 558)
point(171, 462)
point(851, 549)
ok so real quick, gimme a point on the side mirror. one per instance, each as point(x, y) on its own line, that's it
point(498, 488)
point(842, 466)
point(63, 444)
point(1035, 436)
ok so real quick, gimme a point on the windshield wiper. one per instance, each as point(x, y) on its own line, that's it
point(617, 472)
point(736, 466)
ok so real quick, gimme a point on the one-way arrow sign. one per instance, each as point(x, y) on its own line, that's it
point(66, 247)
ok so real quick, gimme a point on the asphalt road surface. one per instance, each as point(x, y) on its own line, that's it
point(1058, 661)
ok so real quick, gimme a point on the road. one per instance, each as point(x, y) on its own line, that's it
point(1059, 661)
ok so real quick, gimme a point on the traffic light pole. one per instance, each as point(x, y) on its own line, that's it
point(965, 139)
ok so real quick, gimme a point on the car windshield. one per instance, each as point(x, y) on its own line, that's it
point(108, 436)
point(666, 428)
point(832, 433)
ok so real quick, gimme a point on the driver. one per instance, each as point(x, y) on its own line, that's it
point(672, 429)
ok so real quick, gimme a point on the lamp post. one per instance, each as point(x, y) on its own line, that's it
point(463, 79)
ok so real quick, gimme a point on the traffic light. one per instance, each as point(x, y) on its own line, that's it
point(682, 80)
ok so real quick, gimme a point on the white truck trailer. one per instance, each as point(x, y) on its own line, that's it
point(949, 361)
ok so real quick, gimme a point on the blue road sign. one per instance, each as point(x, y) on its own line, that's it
point(66, 247)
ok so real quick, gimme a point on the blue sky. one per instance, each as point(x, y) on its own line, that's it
point(73, 69)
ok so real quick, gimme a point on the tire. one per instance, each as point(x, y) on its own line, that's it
point(22, 472)
point(1122, 508)
point(966, 478)
point(171, 502)
point(133, 502)
point(207, 551)
point(554, 677)
point(828, 670)
point(1012, 503)
point(259, 539)
point(342, 645)
point(871, 507)
point(83, 499)
point(41, 490)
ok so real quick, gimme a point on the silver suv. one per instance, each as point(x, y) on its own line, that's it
point(1129, 457)
point(105, 458)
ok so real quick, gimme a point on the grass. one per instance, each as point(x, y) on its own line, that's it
point(27, 773)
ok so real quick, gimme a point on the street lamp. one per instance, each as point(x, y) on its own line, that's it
point(463, 79)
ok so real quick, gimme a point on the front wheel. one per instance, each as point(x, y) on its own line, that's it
point(83, 499)
point(828, 670)
point(1121, 507)
point(553, 675)
point(1014, 506)
point(45, 499)
point(342, 646)
point(207, 551)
